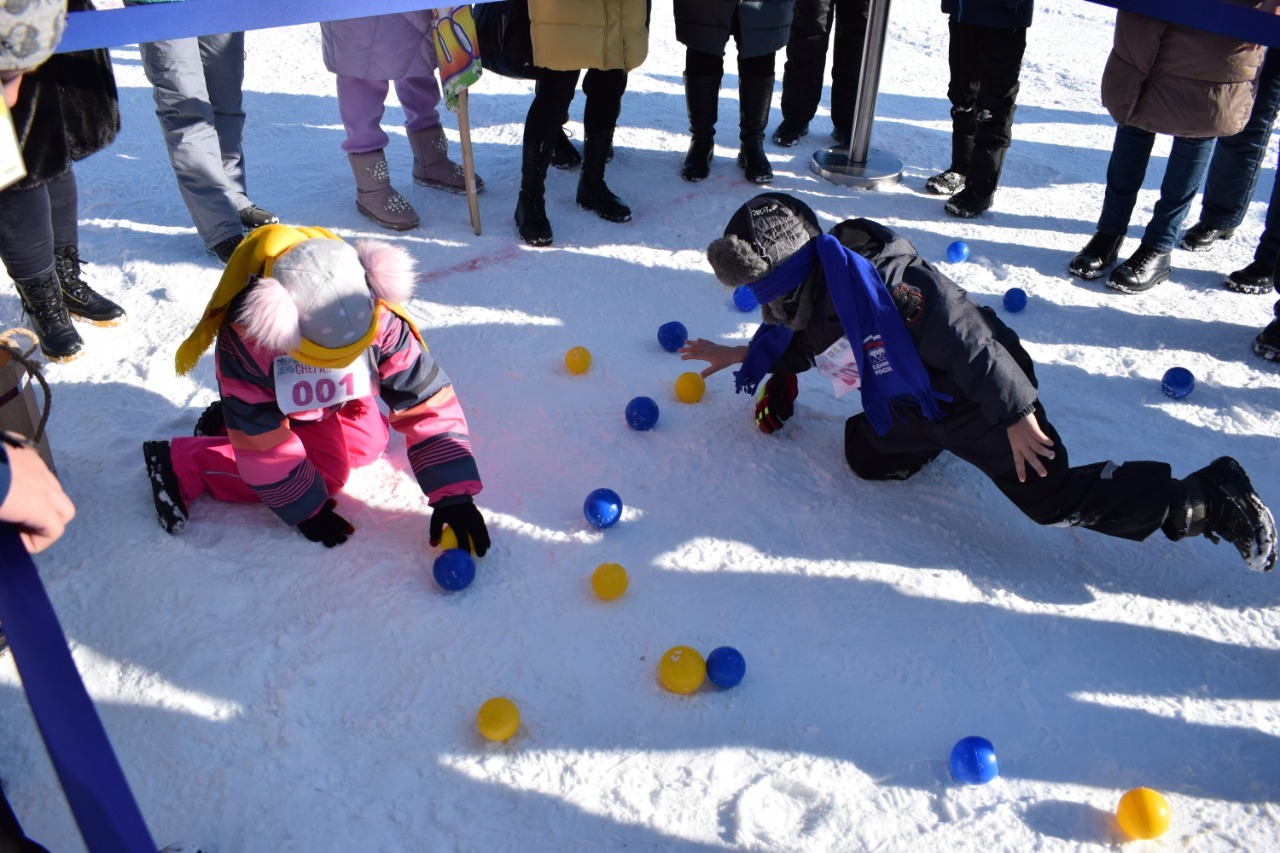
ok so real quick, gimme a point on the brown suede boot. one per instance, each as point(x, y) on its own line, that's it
point(431, 164)
point(375, 197)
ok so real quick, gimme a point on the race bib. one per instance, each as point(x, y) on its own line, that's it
point(840, 365)
point(301, 387)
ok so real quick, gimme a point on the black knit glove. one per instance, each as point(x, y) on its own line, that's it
point(466, 522)
point(776, 402)
point(326, 526)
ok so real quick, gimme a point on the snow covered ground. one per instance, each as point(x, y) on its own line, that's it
point(266, 694)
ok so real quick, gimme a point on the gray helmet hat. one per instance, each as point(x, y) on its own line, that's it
point(29, 32)
point(762, 232)
point(326, 281)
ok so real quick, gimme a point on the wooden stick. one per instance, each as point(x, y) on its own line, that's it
point(468, 164)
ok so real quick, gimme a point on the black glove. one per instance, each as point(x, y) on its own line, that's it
point(466, 522)
point(326, 526)
point(776, 402)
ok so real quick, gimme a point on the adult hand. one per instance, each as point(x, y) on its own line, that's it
point(36, 503)
point(718, 356)
point(1029, 443)
point(326, 526)
point(466, 522)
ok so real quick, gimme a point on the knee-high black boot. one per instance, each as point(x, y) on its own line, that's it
point(593, 193)
point(531, 206)
point(755, 97)
point(702, 100)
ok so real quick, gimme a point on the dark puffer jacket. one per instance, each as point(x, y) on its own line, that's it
point(1001, 14)
point(968, 351)
point(705, 25)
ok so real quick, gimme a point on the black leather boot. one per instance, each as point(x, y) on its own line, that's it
point(755, 97)
point(593, 192)
point(42, 301)
point(82, 300)
point(702, 100)
point(531, 206)
point(1098, 254)
point(1145, 268)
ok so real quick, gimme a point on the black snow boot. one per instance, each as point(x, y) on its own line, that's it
point(211, 421)
point(755, 99)
point(564, 155)
point(41, 299)
point(702, 101)
point(1201, 237)
point(593, 193)
point(82, 300)
point(1098, 254)
point(1254, 278)
point(1145, 268)
point(1218, 502)
point(992, 135)
point(1267, 343)
point(170, 509)
point(531, 206)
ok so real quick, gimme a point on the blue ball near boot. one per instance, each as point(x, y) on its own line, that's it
point(1177, 382)
point(602, 508)
point(454, 569)
point(958, 252)
point(1015, 299)
point(973, 761)
point(672, 335)
point(642, 413)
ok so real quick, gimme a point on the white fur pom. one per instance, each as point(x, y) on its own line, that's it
point(388, 269)
point(270, 316)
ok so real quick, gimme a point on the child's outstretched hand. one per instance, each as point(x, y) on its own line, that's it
point(718, 356)
point(1029, 443)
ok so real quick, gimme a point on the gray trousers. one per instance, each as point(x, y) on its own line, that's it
point(197, 87)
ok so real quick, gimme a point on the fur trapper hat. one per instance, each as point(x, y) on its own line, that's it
point(29, 31)
point(765, 230)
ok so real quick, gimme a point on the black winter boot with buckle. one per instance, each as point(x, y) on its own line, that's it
point(82, 300)
point(41, 299)
point(702, 102)
point(1218, 502)
point(593, 193)
point(755, 98)
point(1145, 268)
point(531, 206)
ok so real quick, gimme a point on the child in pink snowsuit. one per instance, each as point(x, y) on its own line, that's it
point(309, 333)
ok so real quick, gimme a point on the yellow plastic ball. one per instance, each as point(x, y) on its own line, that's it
point(578, 360)
point(690, 387)
point(498, 718)
point(1143, 813)
point(609, 581)
point(449, 540)
point(682, 669)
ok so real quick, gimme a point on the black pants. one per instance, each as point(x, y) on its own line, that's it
point(554, 91)
point(36, 221)
point(802, 75)
point(699, 63)
point(985, 63)
point(12, 838)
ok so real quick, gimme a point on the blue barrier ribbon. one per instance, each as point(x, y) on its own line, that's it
point(1215, 16)
point(163, 21)
point(91, 778)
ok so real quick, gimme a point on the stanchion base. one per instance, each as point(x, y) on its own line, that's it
point(881, 168)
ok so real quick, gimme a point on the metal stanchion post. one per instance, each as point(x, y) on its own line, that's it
point(860, 165)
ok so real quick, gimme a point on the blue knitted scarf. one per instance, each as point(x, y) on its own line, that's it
point(886, 356)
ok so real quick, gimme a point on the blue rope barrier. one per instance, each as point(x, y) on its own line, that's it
point(91, 778)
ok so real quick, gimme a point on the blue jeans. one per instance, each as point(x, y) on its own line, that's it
point(1237, 159)
point(1130, 152)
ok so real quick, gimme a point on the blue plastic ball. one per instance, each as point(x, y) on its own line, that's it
point(973, 761)
point(454, 569)
point(642, 413)
point(1015, 299)
point(726, 666)
point(958, 252)
point(1177, 382)
point(602, 508)
point(744, 299)
point(672, 335)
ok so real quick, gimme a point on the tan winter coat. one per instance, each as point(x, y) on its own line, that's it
point(1166, 78)
point(570, 35)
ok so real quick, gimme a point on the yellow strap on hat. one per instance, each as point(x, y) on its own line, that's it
point(253, 257)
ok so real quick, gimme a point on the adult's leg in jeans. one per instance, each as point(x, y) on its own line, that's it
point(846, 62)
point(26, 232)
point(1269, 244)
point(64, 210)
point(1130, 152)
point(1188, 159)
point(176, 74)
point(806, 65)
point(223, 59)
point(1237, 160)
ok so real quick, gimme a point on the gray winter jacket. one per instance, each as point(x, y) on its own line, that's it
point(968, 351)
point(763, 25)
point(380, 47)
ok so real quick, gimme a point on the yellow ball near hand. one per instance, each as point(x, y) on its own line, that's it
point(609, 581)
point(577, 360)
point(690, 387)
point(498, 718)
point(1143, 813)
point(682, 669)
